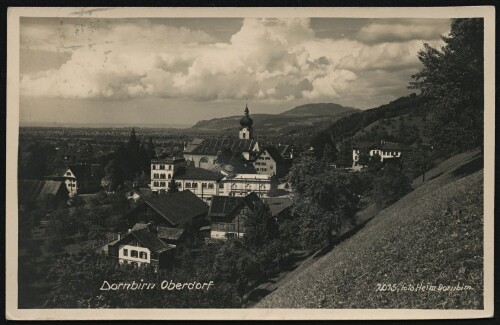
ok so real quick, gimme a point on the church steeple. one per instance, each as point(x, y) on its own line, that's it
point(246, 131)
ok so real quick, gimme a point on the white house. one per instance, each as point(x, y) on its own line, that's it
point(386, 150)
point(142, 246)
point(162, 171)
point(243, 184)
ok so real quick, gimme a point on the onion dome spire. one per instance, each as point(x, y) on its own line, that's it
point(246, 121)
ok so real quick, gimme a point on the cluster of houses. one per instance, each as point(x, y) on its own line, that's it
point(219, 184)
point(224, 166)
point(161, 225)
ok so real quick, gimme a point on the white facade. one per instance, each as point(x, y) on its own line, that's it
point(246, 133)
point(383, 153)
point(204, 189)
point(243, 184)
point(225, 230)
point(70, 182)
point(162, 171)
point(131, 254)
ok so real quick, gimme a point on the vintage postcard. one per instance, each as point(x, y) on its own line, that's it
point(250, 163)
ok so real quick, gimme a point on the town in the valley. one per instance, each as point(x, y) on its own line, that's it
point(309, 207)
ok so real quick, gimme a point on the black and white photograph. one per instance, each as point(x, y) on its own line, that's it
point(250, 160)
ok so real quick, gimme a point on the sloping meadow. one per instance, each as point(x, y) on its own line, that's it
point(425, 251)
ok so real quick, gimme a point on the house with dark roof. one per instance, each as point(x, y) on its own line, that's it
point(228, 215)
point(172, 210)
point(163, 170)
point(385, 150)
point(269, 161)
point(279, 206)
point(202, 182)
point(146, 244)
point(82, 178)
point(50, 193)
point(206, 152)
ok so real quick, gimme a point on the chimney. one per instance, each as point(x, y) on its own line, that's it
point(129, 230)
point(151, 227)
point(119, 235)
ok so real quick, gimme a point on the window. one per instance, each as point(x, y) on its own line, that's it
point(125, 252)
point(204, 185)
point(268, 158)
point(163, 184)
point(221, 185)
point(169, 167)
point(271, 167)
point(143, 255)
point(134, 253)
point(188, 185)
point(210, 185)
point(68, 174)
point(169, 176)
point(162, 166)
point(153, 167)
point(195, 185)
point(233, 186)
point(179, 184)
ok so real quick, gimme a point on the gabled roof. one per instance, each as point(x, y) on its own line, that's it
point(198, 174)
point(177, 207)
point(148, 239)
point(169, 160)
point(391, 146)
point(224, 206)
point(273, 152)
point(365, 145)
point(212, 146)
point(277, 204)
point(82, 171)
point(30, 191)
point(166, 233)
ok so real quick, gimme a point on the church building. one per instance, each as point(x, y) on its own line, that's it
point(206, 153)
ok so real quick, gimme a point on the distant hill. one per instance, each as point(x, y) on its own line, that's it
point(304, 118)
point(433, 236)
point(320, 109)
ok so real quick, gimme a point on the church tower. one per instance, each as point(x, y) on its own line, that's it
point(246, 130)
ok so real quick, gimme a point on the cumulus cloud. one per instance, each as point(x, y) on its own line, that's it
point(425, 30)
point(267, 59)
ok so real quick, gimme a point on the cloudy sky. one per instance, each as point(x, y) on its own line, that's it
point(181, 70)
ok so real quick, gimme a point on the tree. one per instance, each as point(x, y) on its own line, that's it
point(323, 200)
point(418, 160)
point(328, 154)
point(344, 158)
point(172, 186)
point(453, 78)
point(260, 228)
point(390, 185)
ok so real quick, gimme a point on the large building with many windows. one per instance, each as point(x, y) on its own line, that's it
point(162, 171)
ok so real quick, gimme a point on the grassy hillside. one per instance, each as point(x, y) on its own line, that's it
point(432, 236)
point(401, 120)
